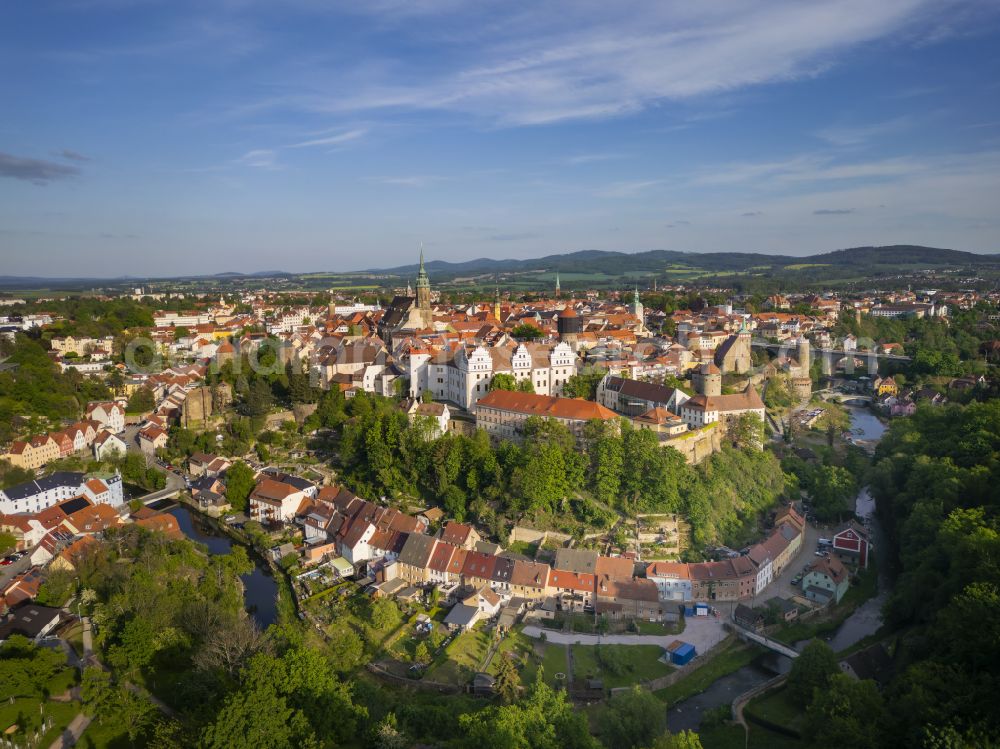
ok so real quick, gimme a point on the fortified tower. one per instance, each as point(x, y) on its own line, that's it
point(708, 380)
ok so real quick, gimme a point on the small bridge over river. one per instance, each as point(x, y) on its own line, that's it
point(778, 647)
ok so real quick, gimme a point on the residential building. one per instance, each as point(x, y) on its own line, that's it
point(459, 534)
point(108, 446)
point(705, 409)
point(826, 581)
point(41, 493)
point(109, 415)
point(273, 502)
point(672, 579)
point(502, 413)
point(634, 397)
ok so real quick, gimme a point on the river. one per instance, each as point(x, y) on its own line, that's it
point(260, 589)
point(865, 620)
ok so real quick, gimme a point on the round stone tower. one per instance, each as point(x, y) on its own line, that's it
point(570, 325)
point(708, 380)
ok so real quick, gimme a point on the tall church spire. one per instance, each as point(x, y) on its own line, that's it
point(557, 283)
point(424, 293)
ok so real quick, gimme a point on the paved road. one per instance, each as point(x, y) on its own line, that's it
point(11, 570)
point(72, 733)
point(702, 632)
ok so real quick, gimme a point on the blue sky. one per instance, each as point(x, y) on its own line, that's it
point(147, 137)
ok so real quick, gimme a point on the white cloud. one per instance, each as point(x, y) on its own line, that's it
point(575, 59)
point(332, 140)
point(592, 158)
point(414, 180)
point(856, 135)
point(628, 188)
point(259, 158)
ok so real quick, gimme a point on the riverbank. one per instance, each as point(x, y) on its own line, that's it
point(262, 588)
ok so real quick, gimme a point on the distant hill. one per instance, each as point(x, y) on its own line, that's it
point(659, 261)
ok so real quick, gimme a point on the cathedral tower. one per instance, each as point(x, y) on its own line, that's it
point(424, 294)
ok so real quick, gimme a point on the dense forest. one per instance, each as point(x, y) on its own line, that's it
point(935, 479)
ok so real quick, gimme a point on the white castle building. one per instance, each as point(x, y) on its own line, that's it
point(464, 377)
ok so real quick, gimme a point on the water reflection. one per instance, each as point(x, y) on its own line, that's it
point(260, 588)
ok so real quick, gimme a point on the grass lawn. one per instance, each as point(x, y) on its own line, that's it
point(108, 735)
point(554, 662)
point(659, 628)
point(733, 657)
point(74, 636)
point(776, 708)
point(25, 713)
point(619, 665)
point(522, 648)
point(62, 682)
point(461, 659)
point(523, 547)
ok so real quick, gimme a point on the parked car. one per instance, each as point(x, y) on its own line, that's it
point(6, 561)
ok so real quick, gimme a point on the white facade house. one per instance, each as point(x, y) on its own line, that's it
point(35, 496)
point(110, 416)
point(673, 580)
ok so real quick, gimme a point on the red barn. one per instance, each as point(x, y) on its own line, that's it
point(851, 545)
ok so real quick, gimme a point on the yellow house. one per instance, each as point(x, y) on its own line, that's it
point(886, 386)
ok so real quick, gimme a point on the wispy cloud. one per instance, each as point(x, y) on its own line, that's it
point(591, 158)
point(259, 158)
point(627, 189)
point(39, 171)
point(855, 135)
point(332, 140)
point(535, 67)
point(832, 211)
point(66, 153)
point(751, 214)
point(413, 180)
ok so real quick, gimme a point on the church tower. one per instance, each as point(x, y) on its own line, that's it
point(496, 304)
point(424, 294)
point(636, 307)
point(557, 285)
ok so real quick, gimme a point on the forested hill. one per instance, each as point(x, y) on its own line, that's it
point(659, 261)
point(935, 480)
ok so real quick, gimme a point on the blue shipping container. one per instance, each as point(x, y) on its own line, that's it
point(683, 655)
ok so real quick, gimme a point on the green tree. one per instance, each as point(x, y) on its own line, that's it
point(503, 381)
point(181, 332)
point(545, 719)
point(239, 484)
point(748, 431)
point(384, 614)
point(526, 332)
point(508, 681)
point(421, 654)
point(141, 401)
point(682, 740)
point(811, 671)
point(632, 719)
point(848, 712)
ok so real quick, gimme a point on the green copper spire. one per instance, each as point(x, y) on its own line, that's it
point(422, 279)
